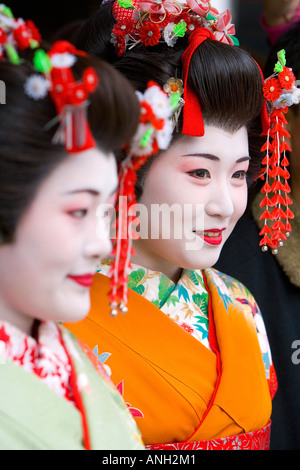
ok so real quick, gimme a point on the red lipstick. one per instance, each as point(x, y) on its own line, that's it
point(84, 280)
point(212, 236)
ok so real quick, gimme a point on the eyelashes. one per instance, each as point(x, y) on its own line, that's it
point(79, 213)
point(203, 174)
point(242, 175)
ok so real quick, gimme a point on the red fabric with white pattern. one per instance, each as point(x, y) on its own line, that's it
point(44, 356)
point(255, 440)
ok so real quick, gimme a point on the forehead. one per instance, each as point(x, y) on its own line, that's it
point(215, 141)
point(92, 169)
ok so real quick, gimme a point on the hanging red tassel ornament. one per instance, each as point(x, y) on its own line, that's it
point(154, 133)
point(122, 244)
point(280, 91)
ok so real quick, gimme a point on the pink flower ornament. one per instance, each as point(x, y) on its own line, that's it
point(159, 7)
point(224, 29)
point(201, 8)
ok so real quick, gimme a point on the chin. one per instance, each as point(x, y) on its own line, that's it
point(76, 310)
point(80, 313)
point(203, 259)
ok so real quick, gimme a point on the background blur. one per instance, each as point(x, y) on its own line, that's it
point(51, 15)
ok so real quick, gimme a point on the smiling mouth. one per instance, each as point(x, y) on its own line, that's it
point(212, 237)
point(84, 280)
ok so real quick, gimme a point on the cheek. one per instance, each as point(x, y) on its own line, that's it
point(52, 250)
point(240, 199)
point(29, 278)
point(167, 190)
point(160, 184)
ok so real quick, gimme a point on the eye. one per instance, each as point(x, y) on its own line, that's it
point(200, 173)
point(241, 175)
point(108, 213)
point(79, 214)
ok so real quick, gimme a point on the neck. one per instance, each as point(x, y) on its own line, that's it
point(155, 262)
point(20, 321)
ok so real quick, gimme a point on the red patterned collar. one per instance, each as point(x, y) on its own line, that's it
point(43, 355)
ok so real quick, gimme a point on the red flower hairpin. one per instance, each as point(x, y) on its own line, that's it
point(16, 35)
point(280, 91)
point(55, 77)
point(69, 96)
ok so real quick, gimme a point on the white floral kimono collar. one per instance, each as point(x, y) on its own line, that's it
point(186, 301)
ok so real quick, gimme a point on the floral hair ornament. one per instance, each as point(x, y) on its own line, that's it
point(70, 96)
point(150, 22)
point(280, 92)
point(16, 35)
point(174, 86)
point(154, 133)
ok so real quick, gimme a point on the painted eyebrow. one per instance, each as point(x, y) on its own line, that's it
point(77, 191)
point(88, 190)
point(214, 157)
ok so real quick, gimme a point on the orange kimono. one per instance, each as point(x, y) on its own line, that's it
point(183, 394)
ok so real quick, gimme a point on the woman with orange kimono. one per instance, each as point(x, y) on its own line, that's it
point(183, 393)
point(190, 354)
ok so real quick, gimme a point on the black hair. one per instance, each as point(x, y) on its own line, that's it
point(226, 79)
point(27, 152)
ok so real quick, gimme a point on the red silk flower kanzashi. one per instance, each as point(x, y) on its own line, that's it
point(276, 214)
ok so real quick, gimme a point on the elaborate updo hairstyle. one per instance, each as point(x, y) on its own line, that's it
point(27, 153)
point(225, 79)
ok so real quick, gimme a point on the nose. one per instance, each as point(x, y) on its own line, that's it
point(221, 202)
point(98, 243)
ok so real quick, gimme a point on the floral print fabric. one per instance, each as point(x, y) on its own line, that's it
point(186, 302)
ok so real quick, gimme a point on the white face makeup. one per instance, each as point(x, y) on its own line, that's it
point(47, 271)
point(204, 178)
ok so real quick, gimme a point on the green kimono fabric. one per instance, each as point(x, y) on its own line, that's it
point(33, 417)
